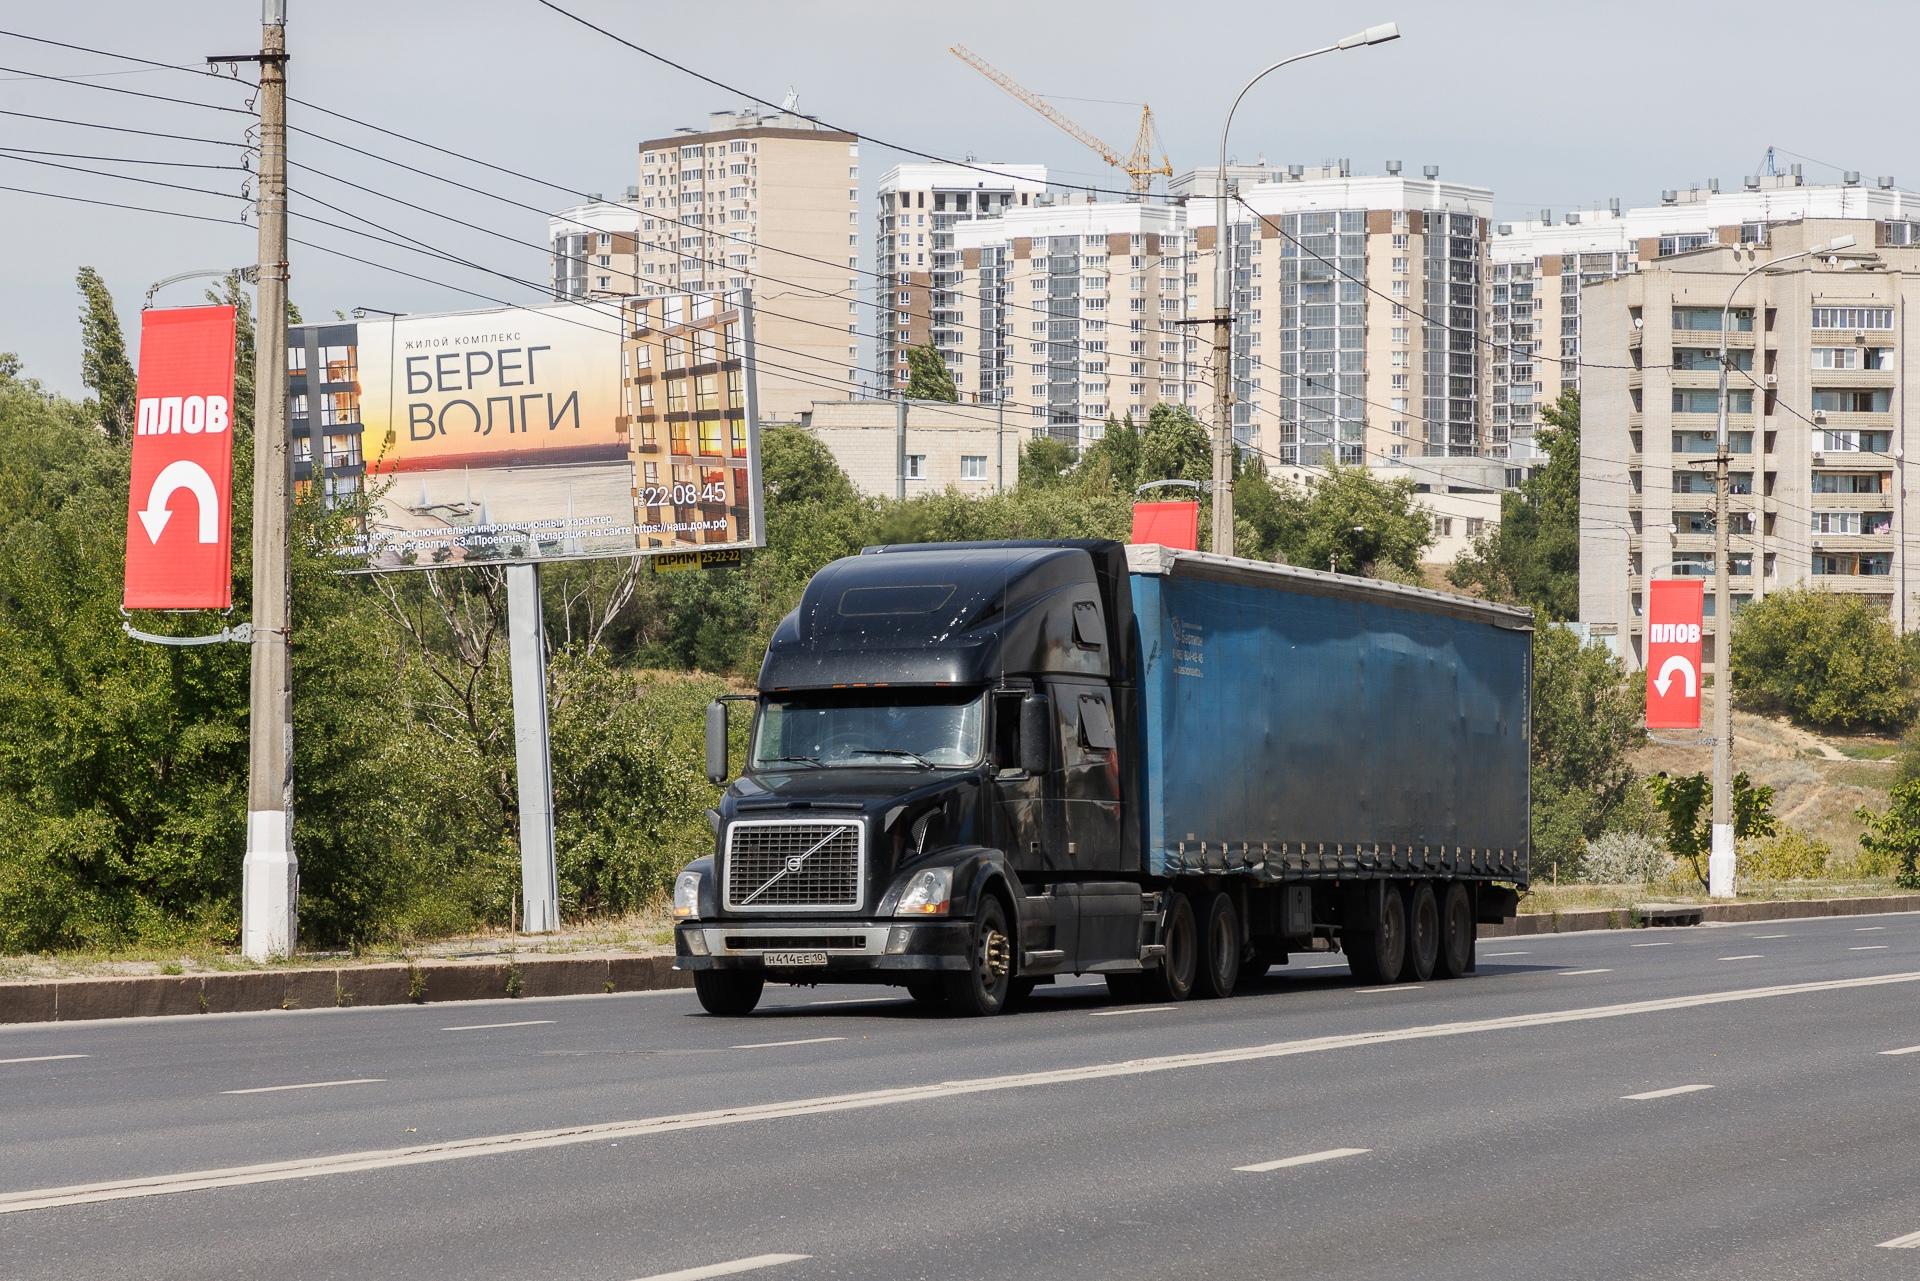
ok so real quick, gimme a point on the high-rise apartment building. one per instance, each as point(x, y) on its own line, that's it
point(771, 203)
point(595, 248)
point(917, 266)
point(1074, 309)
point(1817, 422)
point(1361, 321)
point(1540, 268)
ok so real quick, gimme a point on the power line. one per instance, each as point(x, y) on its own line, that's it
point(864, 137)
point(145, 133)
point(131, 93)
point(121, 160)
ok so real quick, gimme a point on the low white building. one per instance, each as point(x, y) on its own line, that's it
point(973, 449)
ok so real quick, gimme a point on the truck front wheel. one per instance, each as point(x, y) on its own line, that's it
point(728, 993)
point(982, 987)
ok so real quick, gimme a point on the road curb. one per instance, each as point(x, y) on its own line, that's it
point(424, 982)
point(1724, 913)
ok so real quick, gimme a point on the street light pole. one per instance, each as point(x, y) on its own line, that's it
point(1223, 443)
point(1720, 859)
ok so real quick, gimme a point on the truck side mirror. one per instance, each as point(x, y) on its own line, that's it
point(716, 742)
point(1036, 733)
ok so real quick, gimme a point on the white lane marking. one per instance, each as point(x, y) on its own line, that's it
point(43, 1058)
point(855, 1000)
point(1667, 1093)
point(1746, 956)
point(1867, 929)
point(1506, 954)
point(1905, 1049)
point(1871, 947)
point(484, 1027)
point(1911, 1241)
point(309, 1085)
point(938, 1091)
point(735, 1268)
point(1131, 1009)
point(1331, 1154)
point(774, 1045)
point(1668, 943)
point(1574, 974)
point(1770, 936)
point(1390, 987)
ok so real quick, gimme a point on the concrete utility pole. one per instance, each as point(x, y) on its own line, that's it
point(1223, 442)
point(1720, 858)
point(271, 874)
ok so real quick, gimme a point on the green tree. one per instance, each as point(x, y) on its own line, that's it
point(1532, 557)
point(1825, 658)
point(1587, 712)
point(103, 356)
point(796, 469)
point(1895, 833)
point(1174, 446)
point(928, 377)
point(1347, 518)
point(1687, 802)
point(1047, 460)
point(1114, 459)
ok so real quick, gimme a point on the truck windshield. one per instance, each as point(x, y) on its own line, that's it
point(916, 729)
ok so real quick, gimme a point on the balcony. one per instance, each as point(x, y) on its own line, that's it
point(1851, 502)
point(1852, 460)
point(1863, 378)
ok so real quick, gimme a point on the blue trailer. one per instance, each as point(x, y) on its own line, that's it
point(974, 767)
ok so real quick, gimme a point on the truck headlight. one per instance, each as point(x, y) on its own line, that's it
point(927, 894)
point(686, 896)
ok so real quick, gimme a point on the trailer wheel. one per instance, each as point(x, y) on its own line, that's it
point(1423, 932)
point(928, 993)
point(1377, 953)
point(1457, 930)
point(982, 987)
point(1173, 981)
point(1219, 968)
point(728, 993)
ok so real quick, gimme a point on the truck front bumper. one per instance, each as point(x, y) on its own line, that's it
point(852, 948)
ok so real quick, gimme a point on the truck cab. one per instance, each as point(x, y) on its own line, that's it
point(935, 786)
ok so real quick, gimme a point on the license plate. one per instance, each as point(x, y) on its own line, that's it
point(790, 960)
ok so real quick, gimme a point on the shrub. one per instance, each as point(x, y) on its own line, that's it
point(1790, 855)
point(1895, 834)
point(1828, 659)
point(1625, 858)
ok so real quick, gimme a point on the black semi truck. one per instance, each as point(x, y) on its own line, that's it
point(975, 766)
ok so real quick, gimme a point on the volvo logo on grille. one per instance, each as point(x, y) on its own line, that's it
point(793, 863)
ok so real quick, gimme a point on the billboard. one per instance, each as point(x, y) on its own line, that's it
point(609, 428)
point(1675, 615)
point(179, 505)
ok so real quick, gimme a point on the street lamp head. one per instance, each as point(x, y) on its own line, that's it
point(1372, 35)
point(1835, 245)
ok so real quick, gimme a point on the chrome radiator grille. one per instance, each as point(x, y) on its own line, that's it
point(779, 865)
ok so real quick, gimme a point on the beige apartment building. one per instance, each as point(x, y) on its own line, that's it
point(1817, 424)
point(1074, 308)
point(1540, 268)
point(595, 249)
point(970, 448)
point(767, 202)
point(917, 267)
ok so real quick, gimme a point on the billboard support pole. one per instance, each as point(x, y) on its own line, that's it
point(527, 655)
point(270, 875)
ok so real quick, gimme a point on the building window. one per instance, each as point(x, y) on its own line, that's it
point(1851, 318)
point(973, 467)
point(916, 466)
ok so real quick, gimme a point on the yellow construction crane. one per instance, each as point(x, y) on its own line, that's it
point(1138, 163)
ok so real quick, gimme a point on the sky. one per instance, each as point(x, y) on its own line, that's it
point(1555, 106)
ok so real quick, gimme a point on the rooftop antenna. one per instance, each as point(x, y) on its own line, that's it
point(1768, 168)
point(790, 103)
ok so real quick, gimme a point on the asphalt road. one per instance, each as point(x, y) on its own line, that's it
point(1482, 1128)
